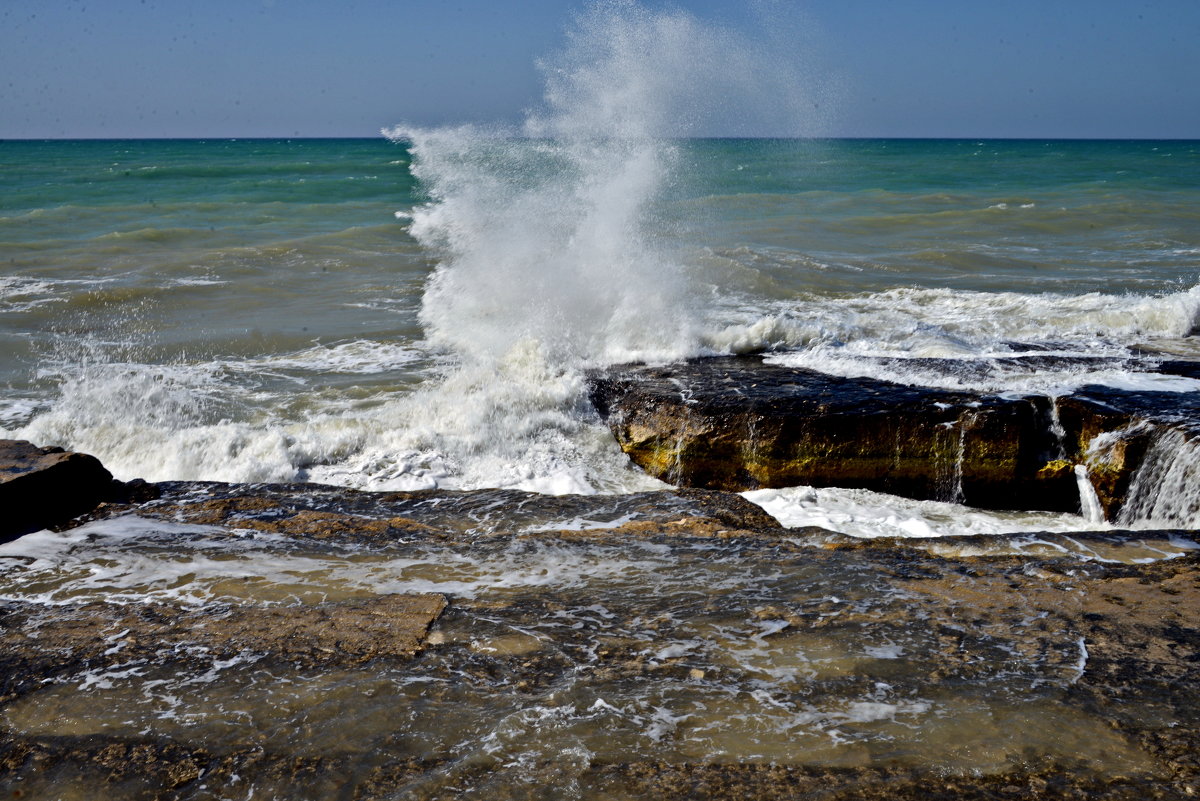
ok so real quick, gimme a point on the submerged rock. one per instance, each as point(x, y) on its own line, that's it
point(642, 663)
point(310, 641)
point(337, 514)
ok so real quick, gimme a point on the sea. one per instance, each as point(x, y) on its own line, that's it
point(420, 310)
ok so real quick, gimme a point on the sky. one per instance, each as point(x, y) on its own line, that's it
point(266, 68)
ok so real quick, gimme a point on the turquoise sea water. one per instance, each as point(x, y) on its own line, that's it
point(331, 310)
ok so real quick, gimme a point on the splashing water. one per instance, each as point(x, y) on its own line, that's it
point(1165, 490)
point(553, 255)
point(552, 234)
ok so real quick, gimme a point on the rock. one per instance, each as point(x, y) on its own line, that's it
point(737, 423)
point(41, 487)
point(341, 515)
point(389, 627)
point(901, 672)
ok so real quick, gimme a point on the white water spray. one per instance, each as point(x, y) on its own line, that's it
point(1165, 491)
point(554, 254)
point(551, 233)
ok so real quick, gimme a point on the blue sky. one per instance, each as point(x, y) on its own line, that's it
point(1015, 68)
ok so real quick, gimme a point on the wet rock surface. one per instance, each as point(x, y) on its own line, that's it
point(323, 512)
point(233, 641)
point(198, 640)
point(739, 423)
point(44, 641)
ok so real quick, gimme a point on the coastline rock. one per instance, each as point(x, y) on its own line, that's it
point(291, 637)
point(1115, 432)
point(736, 423)
point(37, 640)
point(860, 670)
point(342, 515)
point(42, 487)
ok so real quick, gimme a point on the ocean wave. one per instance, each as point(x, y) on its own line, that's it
point(357, 357)
point(157, 235)
point(935, 323)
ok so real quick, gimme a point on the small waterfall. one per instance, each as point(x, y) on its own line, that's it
point(1059, 432)
point(964, 423)
point(1089, 501)
point(1166, 488)
point(950, 471)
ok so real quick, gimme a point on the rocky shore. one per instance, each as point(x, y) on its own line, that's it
point(189, 640)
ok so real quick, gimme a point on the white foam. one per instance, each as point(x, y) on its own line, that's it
point(15, 411)
point(196, 281)
point(863, 513)
point(551, 249)
point(359, 356)
point(1074, 372)
point(836, 333)
point(133, 559)
point(22, 293)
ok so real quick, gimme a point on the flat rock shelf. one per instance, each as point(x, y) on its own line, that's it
point(251, 641)
point(742, 423)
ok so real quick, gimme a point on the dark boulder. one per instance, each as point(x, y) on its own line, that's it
point(737, 423)
point(41, 487)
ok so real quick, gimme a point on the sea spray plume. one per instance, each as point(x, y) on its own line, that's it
point(553, 254)
point(551, 233)
point(542, 240)
point(640, 73)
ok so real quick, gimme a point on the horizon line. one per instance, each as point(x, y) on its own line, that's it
point(701, 138)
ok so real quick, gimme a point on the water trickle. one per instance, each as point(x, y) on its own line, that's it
point(1057, 431)
point(1166, 488)
point(965, 423)
point(1089, 502)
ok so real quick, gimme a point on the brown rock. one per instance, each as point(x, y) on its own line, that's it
point(737, 423)
point(353, 632)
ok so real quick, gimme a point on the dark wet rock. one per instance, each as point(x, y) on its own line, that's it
point(155, 769)
point(737, 423)
point(767, 782)
point(41, 487)
point(335, 514)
